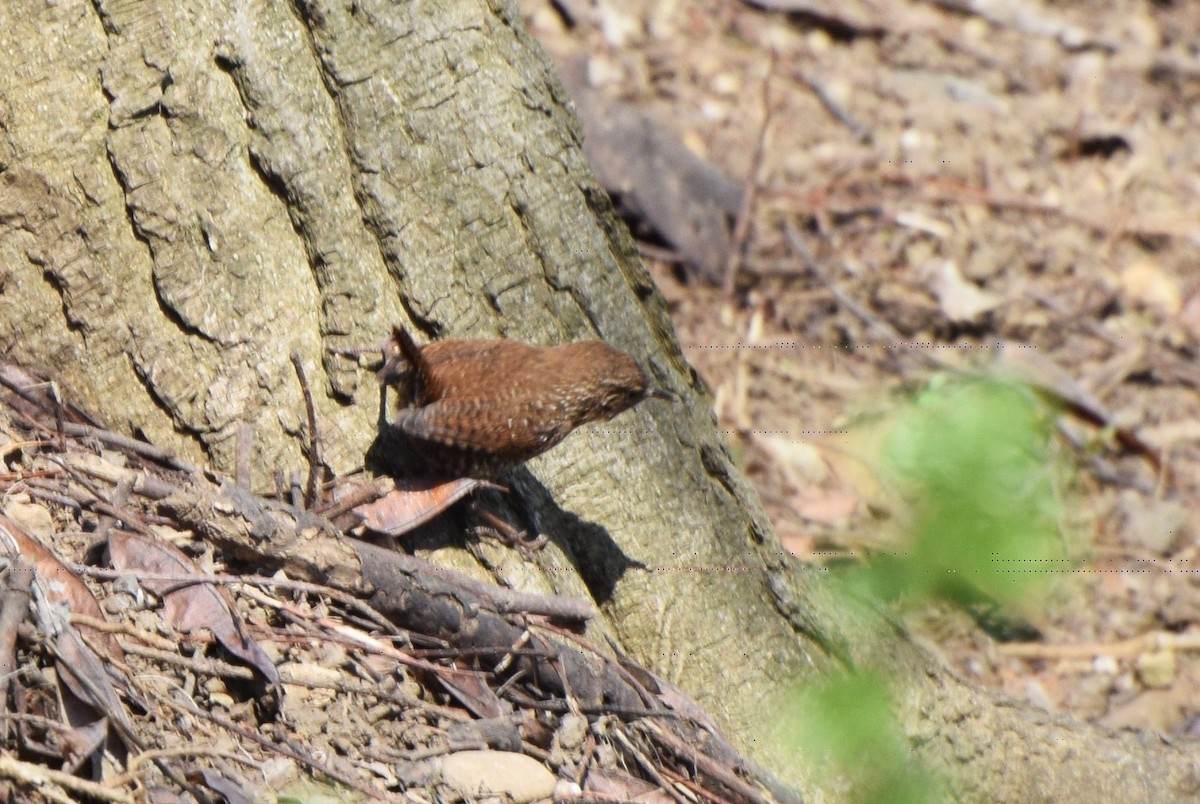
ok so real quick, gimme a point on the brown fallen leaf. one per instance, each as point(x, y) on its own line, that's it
point(188, 606)
point(413, 503)
point(473, 692)
point(60, 585)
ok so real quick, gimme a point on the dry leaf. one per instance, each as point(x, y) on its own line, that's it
point(188, 607)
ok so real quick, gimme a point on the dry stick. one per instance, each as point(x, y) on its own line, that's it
point(1153, 642)
point(182, 580)
point(314, 458)
point(295, 493)
point(58, 414)
point(862, 133)
point(39, 721)
point(352, 351)
point(17, 446)
point(600, 710)
point(14, 608)
point(127, 630)
point(241, 460)
point(145, 484)
point(137, 760)
point(507, 659)
point(502, 600)
point(485, 651)
point(648, 766)
point(650, 701)
point(741, 230)
point(569, 698)
point(25, 393)
point(432, 751)
point(956, 193)
point(131, 519)
point(512, 680)
point(133, 445)
point(283, 750)
point(219, 669)
point(69, 503)
point(702, 762)
point(697, 792)
point(37, 777)
point(800, 247)
point(215, 667)
point(948, 193)
point(648, 251)
point(119, 723)
point(204, 667)
point(361, 495)
point(355, 638)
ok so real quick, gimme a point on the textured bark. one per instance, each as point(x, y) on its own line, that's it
point(191, 191)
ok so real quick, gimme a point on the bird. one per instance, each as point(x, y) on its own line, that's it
point(480, 408)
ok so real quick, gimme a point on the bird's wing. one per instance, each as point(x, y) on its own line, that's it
point(477, 424)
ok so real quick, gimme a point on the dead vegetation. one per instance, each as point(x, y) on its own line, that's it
point(166, 631)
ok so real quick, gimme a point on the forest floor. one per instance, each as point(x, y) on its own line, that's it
point(847, 211)
point(929, 180)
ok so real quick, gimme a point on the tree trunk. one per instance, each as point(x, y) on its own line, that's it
point(190, 192)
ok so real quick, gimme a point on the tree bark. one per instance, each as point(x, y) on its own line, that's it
point(189, 192)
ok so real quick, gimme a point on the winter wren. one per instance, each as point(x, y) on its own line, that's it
point(478, 408)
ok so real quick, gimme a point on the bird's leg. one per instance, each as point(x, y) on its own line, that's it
point(508, 533)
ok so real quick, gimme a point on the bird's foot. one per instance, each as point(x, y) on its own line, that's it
point(513, 536)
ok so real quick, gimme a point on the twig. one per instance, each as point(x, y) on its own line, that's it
point(1124, 649)
point(127, 630)
point(241, 460)
point(202, 667)
point(58, 414)
point(507, 659)
point(155, 754)
point(647, 766)
point(701, 762)
point(314, 457)
point(133, 520)
point(741, 230)
point(295, 492)
point(798, 245)
point(137, 447)
point(70, 503)
point(362, 494)
point(351, 351)
point(861, 132)
point(283, 750)
point(347, 600)
point(17, 446)
point(38, 777)
point(14, 608)
point(500, 599)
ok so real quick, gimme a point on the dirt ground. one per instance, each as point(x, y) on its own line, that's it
point(929, 187)
point(950, 174)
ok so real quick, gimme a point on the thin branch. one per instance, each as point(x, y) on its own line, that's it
point(314, 457)
point(741, 230)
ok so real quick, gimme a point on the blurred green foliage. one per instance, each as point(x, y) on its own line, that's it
point(973, 465)
point(845, 727)
point(973, 460)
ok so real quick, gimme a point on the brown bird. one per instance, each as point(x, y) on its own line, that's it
point(478, 408)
